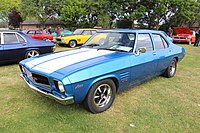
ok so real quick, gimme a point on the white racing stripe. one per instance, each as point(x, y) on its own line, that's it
point(37, 61)
point(58, 63)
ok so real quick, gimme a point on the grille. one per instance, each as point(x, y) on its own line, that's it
point(40, 79)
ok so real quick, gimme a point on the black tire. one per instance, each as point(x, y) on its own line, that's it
point(59, 44)
point(31, 53)
point(45, 39)
point(171, 69)
point(100, 96)
point(72, 43)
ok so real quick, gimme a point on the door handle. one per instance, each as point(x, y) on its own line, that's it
point(170, 50)
point(154, 53)
point(23, 44)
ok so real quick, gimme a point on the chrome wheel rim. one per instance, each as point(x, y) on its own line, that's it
point(32, 53)
point(72, 44)
point(102, 95)
point(172, 68)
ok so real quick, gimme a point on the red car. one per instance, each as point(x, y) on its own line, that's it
point(37, 34)
point(184, 35)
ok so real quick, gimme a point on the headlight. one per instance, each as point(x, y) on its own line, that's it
point(59, 86)
point(22, 68)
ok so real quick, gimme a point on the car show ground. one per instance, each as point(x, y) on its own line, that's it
point(160, 105)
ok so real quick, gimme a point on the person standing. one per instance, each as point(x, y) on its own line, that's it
point(197, 38)
point(170, 31)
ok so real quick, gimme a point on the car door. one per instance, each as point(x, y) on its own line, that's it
point(163, 52)
point(143, 65)
point(86, 35)
point(14, 46)
point(38, 35)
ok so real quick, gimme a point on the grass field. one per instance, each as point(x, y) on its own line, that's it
point(160, 105)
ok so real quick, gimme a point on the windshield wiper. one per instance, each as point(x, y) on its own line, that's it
point(111, 49)
point(90, 45)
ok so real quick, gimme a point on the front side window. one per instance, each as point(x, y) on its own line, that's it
point(159, 42)
point(10, 38)
point(86, 32)
point(78, 32)
point(112, 41)
point(144, 41)
point(31, 32)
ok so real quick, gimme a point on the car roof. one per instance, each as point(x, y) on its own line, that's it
point(132, 30)
point(10, 31)
point(87, 29)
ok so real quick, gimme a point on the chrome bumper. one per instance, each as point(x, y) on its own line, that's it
point(65, 101)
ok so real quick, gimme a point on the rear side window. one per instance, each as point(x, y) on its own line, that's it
point(20, 38)
point(93, 32)
point(159, 42)
point(144, 41)
point(10, 38)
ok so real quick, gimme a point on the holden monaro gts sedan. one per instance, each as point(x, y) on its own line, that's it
point(111, 61)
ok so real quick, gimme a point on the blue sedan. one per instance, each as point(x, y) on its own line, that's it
point(16, 46)
point(111, 61)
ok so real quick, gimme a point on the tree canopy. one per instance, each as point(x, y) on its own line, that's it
point(89, 13)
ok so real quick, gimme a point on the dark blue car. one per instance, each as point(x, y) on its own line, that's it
point(15, 46)
point(111, 61)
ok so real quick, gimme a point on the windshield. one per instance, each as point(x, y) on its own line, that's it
point(77, 32)
point(112, 41)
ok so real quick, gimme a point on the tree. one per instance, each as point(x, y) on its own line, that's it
point(6, 6)
point(185, 13)
point(14, 18)
point(40, 9)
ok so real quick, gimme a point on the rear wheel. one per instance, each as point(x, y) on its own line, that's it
point(72, 44)
point(32, 53)
point(101, 96)
point(45, 39)
point(171, 69)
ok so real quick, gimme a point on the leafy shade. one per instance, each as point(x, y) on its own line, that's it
point(6, 6)
point(14, 18)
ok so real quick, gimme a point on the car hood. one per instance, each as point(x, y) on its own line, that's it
point(182, 30)
point(69, 62)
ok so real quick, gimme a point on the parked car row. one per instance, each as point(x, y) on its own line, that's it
point(109, 62)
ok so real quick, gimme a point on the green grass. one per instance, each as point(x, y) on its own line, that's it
point(160, 105)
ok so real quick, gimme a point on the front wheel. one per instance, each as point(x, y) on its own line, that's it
point(171, 69)
point(72, 44)
point(32, 53)
point(101, 96)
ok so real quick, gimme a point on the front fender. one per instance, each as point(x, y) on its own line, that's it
point(81, 89)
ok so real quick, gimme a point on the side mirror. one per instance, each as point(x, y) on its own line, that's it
point(141, 50)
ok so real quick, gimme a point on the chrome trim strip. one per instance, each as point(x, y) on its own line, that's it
point(65, 101)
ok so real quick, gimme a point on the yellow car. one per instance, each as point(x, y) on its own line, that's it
point(78, 37)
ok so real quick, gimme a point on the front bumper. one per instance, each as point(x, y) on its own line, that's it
point(65, 101)
point(181, 40)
